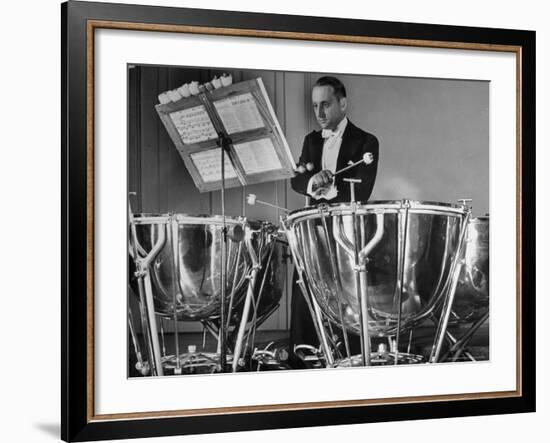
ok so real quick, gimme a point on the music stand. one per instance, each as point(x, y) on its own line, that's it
point(228, 137)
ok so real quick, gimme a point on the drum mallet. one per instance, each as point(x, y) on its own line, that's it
point(252, 200)
point(367, 159)
point(301, 168)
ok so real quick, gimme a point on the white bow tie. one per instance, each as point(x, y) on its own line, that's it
point(328, 133)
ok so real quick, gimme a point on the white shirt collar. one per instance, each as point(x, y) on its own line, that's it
point(339, 131)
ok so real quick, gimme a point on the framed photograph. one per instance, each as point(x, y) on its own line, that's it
point(277, 221)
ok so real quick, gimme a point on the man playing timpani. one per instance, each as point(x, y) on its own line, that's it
point(339, 144)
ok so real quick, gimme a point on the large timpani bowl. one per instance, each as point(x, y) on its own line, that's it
point(471, 300)
point(186, 273)
point(417, 249)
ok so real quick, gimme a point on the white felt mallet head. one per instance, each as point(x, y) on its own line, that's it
point(163, 98)
point(184, 90)
point(216, 82)
point(368, 158)
point(194, 88)
point(251, 199)
point(174, 95)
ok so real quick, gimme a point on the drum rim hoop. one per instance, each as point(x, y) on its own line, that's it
point(381, 204)
point(201, 219)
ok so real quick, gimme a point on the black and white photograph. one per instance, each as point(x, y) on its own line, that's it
point(287, 220)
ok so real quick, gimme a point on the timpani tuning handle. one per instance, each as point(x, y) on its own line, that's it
point(352, 182)
point(465, 202)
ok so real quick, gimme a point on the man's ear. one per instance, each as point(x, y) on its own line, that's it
point(343, 103)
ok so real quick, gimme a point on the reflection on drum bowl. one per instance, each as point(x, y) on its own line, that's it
point(422, 252)
point(269, 286)
point(472, 293)
point(188, 277)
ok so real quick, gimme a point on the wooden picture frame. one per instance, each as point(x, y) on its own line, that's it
point(79, 22)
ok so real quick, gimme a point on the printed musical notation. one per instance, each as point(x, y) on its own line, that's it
point(239, 113)
point(193, 125)
point(258, 156)
point(209, 165)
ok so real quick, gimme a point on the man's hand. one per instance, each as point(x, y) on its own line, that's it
point(321, 179)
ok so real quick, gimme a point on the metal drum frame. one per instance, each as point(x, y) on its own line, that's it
point(322, 228)
point(471, 305)
point(250, 248)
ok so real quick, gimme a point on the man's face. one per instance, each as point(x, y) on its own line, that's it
point(329, 110)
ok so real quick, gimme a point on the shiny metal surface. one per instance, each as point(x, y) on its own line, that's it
point(419, 242)
point(270, 282)
point(186, 274)
point(472, 293)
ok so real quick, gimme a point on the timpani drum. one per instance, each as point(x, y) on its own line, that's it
point(186, 271)
point(178, 264)
point(399, 254)
point(472, 292)
point(470, 308)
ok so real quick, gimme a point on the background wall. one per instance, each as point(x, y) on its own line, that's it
point(29, 190)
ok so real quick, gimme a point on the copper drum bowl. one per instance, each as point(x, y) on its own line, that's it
point(186, 272)
point(472, 292)
point(418, 246)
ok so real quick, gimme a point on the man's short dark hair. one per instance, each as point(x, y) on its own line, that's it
point(337, 85)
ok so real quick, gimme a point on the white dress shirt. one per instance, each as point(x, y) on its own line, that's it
point(331, 149)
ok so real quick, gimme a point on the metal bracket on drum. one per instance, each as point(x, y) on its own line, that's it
point(405, 206)
point(312, 305)
point(449, 299)
point(146, 297)
point(323, 210)
point(309, 354)
point(360, 257)
point(256, 267)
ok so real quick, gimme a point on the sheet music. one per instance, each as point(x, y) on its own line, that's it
point(209, 165)
point(258, 156)
point(287, 153)
point(193, 125)
point(239, 113)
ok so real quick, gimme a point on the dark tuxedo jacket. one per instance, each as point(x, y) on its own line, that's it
point(355, 143)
